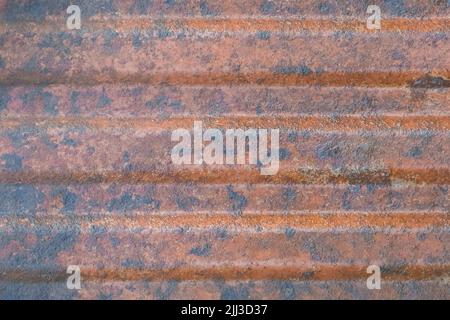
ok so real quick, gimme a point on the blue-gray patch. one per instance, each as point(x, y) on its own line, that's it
point(318, 252)
point(348, 196)
point(98, 230)
point(141, 6)
point(263, 35)
point(163, 31)
point(289, 69)
point(221, 233)
point(69, 200)
point(162, 102)
point(30, 96)
point(50, 103)
point(19, 199)
point(31, 65)
point(238, 201)
point(170, 2)
point(91, 8)
point(13, 162)
point(292, 136)
point(128, 201)
point(324, 8)
point(133, 263)
point(36, 291)
point(19, 136)
point(187, 203)
point(328, 150)
point(136, 39)
point(204, 9)
point(46, 140)
point(58, 41)
point(4, 98)
point(394, 200)
point(166, 292)
point(105, 296)
point(115, 241)
point(414, 152)
point(284, 154)
point(34, 10)
point(74, 102)
point(396, 7)
point(266, 7)
point(287, 290)
point(201, 251)
point(109, 35)
point(235, 293)
point(103, 101)
point(50, 241)
point(259, 110)
point(69, 142)
point(289, 194)
point(289, 233)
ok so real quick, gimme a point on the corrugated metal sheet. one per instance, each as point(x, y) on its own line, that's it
point(86, 176)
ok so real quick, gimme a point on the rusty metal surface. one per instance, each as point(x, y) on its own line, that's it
point(86, 176)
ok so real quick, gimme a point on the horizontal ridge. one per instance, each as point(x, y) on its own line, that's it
point(398, 221)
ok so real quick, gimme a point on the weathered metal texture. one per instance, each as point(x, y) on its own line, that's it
point(86, 177)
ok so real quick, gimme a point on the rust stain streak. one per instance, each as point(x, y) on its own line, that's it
point(241, 24)
point(250, 175)
point(259, 271)
point(329, 78)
